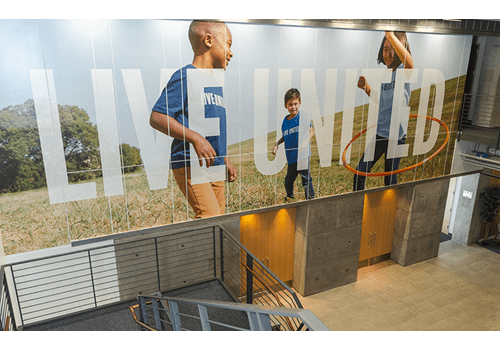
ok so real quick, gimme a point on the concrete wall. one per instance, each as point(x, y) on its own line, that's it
point(182, 259)
point(419, 220)
point(327, 238)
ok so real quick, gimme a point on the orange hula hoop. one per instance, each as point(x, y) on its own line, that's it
point(354, 171)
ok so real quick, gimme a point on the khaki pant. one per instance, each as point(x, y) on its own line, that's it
point(205, 199)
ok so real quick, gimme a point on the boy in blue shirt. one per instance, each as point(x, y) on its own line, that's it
point(290, 129)
point(211, 43)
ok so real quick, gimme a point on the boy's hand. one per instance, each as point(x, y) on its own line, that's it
point(275, 149)
point(204, 150)
point(231, 170)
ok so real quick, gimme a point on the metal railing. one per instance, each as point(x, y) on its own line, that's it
point(253, 283)
point(180, 314)
point(7, 319)
point(65, 284)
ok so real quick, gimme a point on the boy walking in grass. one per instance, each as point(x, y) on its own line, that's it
point(294, 153)
point(211, 43)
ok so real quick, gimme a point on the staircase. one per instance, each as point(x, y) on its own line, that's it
point(207, 278)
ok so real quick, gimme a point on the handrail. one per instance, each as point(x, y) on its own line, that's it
point(311, 321)
point(270, 290)
point(268, 271)
point(142, 324)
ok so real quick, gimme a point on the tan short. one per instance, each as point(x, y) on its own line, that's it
point(206, 199)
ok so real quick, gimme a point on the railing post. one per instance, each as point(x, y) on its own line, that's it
point(215, 253)
point(143, 316)
point(92, 278)
point(249, 279)
point(9, 308)
point(157, 264)
point(221, 239)
point(174, 312)
point(156, 313)
point(17, 294)
point(205, 325)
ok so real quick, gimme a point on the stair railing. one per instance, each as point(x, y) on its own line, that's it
point(60, 285)
point(254, 283)
point(271, 291)
point(258, 316)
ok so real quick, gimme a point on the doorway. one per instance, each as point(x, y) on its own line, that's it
point(379, 221)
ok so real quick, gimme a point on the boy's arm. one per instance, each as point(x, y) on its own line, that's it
point(280, 141)
point(173, 128)
point(232, 174)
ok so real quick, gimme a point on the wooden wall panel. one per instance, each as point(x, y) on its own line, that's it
point(379, 219)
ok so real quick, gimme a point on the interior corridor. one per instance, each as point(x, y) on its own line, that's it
point(457, 291)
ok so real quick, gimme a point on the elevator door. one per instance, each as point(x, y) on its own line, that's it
point(379, 220)
point(270, 236)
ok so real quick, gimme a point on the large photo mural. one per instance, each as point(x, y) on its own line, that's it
point(108, 126)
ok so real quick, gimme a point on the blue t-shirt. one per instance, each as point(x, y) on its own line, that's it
point(385, 107)
point(178, 108)
point(290, 130)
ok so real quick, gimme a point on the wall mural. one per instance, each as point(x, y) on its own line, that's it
point(277, 113)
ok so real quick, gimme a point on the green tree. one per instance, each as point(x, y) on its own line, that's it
point(131, 158)
point(81, 142)
point(21, 161)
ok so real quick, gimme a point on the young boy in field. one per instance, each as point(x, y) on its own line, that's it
point(290, 129)
point(211, 43)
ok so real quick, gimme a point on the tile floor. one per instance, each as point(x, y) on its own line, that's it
point(457, 291)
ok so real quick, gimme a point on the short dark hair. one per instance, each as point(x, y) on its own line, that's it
point(397, 60)
point(198, 28)
point(292, 93)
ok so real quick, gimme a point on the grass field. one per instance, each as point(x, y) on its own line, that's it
point(29, 222)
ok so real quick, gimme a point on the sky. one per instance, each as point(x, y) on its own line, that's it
point(72, 48)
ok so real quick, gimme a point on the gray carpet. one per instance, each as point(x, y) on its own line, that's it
point(211, 290)
point(112, 318)
point(119, 318)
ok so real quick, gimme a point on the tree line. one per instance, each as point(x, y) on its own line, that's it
point(21, 160)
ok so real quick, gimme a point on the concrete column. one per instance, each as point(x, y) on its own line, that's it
point(327, 238)
point(467, 222)
point(419, 220)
